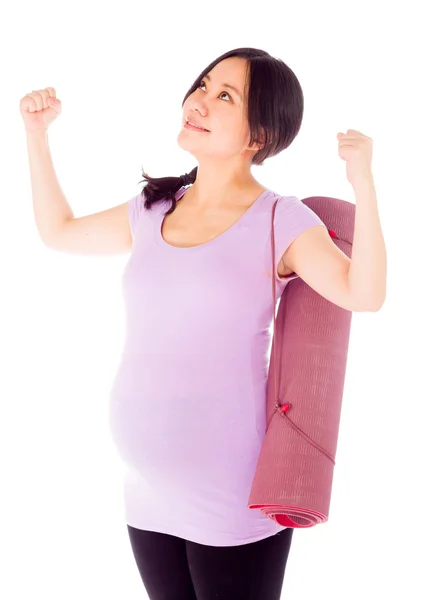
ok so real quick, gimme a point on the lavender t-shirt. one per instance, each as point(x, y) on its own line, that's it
point(187, 408)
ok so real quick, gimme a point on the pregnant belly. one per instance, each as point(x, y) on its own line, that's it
point(184, 442)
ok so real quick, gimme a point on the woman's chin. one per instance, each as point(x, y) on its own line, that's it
point(187, 144)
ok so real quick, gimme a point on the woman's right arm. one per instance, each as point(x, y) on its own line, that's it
point(104, 233)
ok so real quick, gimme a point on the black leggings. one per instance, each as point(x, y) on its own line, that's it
point(172, 568)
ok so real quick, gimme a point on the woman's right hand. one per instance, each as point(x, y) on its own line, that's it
point(39, 109)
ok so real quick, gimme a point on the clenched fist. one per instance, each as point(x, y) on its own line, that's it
point(39, 109)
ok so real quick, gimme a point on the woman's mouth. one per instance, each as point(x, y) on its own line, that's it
point(193, 128)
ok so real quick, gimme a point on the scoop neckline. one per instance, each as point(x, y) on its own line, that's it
point(179, 194)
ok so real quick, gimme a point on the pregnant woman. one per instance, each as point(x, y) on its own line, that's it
point(187, 406)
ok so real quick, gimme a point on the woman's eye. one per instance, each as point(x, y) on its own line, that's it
point(203, 83)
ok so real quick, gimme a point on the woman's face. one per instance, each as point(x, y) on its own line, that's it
point(219, 109)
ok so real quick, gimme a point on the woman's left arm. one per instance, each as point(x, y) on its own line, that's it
point(357, 284)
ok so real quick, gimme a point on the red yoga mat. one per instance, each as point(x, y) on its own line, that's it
point(294, 474)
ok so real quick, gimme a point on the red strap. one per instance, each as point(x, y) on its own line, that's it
point(274, 345)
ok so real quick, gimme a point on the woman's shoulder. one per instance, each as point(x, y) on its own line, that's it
point(284, 202)
point(291, 212)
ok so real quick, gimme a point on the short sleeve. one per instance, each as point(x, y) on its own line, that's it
point(292, 218)
point(135, 210)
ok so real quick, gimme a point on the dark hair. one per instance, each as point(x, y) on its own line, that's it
point(274, 107)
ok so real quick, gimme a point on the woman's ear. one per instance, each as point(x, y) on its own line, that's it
point(258, 145)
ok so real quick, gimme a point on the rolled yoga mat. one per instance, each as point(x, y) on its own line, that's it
point(294, 474)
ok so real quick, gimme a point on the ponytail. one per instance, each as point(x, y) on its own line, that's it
point(165, 188)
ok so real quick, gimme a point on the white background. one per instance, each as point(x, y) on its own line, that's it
point(121, 71)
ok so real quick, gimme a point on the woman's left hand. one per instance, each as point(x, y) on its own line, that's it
point(356, 149)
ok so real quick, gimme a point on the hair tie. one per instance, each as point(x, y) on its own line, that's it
point(185, 179)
